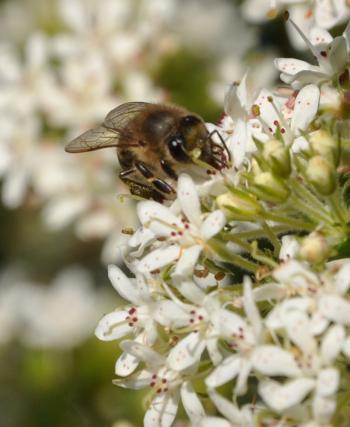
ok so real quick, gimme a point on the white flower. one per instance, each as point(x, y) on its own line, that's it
point(137, 319)
point(251, 353)
point(307, 14)
point(331, 54)
point(234, 416)
point(259, 117)
point(183, 235)
point(168, 386)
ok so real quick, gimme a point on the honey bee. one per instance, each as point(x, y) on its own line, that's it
point(154, 142)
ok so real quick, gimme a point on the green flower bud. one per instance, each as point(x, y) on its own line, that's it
point(278, 157)
point(271, 188)
point(314, 248)
point(323, 143)
point(321, 174)
point(238, 205)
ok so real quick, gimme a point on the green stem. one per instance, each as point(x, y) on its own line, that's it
point(254, 234)
point(226, 255)
point(273, 238)
point(314, 215)
point(291, 222)
point(341, 213)
point(308, 196)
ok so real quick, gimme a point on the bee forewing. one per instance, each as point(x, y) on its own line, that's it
point(94, 139)
point(120, 116)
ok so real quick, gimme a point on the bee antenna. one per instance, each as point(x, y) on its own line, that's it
point(216, 132)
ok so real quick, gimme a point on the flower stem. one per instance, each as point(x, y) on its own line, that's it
point(290, 222)
point(225, 254)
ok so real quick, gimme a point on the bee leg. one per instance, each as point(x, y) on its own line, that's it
point(167, 168)
point(160, 184)
point(139, 189)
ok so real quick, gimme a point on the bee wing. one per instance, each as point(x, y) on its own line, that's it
point(111, 132)
point(120, 116)
point(94, 139)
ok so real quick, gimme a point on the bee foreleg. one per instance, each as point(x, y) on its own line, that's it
point(167, 168)
point(139, 189)
point(160, 184)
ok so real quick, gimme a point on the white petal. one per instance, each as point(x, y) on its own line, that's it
point(213, 422)
point(295, 273)
point(225, 372)
point(297, 324)
point(212, 224)
point(214, 352)
point(142, 352)
point(162, 410)
point(137, 381)
point(189, 200)
point(300, 144)
point(291, 66)
point(242, 379)
point(281, 397)
point(170, 314)
point(250, 307)
point(323, 409)
point(123, 285)
point(113, 326)
point(332, 343)
point(342, 278)
point(306, 107)
point(269, 291)
point(187, 352)
point(190, 291)
point(327, 382)
point(232, 104)
point(188, 259)
point(318, 323)
point(274, 361)
point(142, 237)
point(126, 364)
point(228, 323)
point(267, 111)
point(157, 217)
point(226, 408)
point(319, 35)
point(193, 406)
point(159, 258)
point(289, 248)
point(335, 308)
point(237, 143)
point(338, 54)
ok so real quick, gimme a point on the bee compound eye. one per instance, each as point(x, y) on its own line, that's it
point(177, 148)
point(190, 120)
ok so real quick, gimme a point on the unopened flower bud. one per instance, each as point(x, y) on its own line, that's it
point(271, 188)
point(324, 144)
point(321, 175)
point(238, 205)
point(278, 157)
point(315, 248)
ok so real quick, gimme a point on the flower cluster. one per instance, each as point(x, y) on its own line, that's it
point(310, 15)
point(239, 302)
